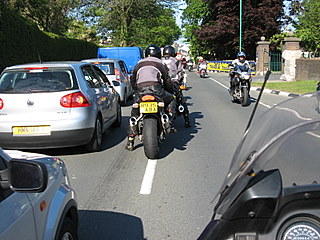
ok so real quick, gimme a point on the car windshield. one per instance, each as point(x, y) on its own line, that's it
point(36, 80)
point(107, 68)
point(285, 138)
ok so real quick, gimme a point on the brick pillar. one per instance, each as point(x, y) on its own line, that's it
point(262, 57)
point(290, 52)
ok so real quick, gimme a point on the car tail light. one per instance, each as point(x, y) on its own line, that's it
point(148, 98)
point(117, 73)
point(73, 100)
point(1, 103)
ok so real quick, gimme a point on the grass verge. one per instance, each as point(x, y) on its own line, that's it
point(298, 87)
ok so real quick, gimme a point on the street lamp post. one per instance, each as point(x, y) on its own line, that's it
point(240, 37)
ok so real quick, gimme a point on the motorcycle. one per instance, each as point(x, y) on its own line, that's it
point(272, 188)
point(241, 91)
point(152, 125)
point(202, 70)
point(190, 66)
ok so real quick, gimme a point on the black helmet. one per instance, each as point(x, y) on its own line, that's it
point(169, 50)
point(153, 51)
point(241, 54)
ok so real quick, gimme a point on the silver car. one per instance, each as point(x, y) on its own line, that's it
point(36, 199)
point(117, 71)
point(52, 105)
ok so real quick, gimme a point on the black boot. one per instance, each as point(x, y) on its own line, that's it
point(187, 122)
point(130, 143)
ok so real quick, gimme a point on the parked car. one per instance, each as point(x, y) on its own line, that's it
point(53, 105)
point(36, 199)
point(117, 71)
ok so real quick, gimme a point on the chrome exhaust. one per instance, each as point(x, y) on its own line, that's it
point(134, 125)
point(165, 123)
point(181, 108)
point(133, 121)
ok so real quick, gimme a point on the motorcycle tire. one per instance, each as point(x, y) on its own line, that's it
point(150, 138)
point(203, 74)
point(245, 97)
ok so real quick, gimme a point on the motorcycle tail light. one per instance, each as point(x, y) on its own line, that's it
point(135, 105)
point(148, 98)
point(161, 104)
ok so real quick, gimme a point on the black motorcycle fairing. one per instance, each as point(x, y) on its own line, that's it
point(284, 141)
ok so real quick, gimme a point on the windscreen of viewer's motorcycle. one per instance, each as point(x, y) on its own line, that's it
point(286, 138)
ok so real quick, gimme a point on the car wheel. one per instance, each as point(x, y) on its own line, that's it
point(117, 123)
point(96, 140)
point(68, 230)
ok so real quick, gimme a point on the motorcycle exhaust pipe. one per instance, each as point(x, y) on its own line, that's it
point(133, 121)
point(181, 108)
point(134, 125)
point(165, 123)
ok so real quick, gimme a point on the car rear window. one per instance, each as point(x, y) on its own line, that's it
point(37, 80)
point(107, 68)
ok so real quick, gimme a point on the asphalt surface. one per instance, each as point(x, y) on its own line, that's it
point(177, 202)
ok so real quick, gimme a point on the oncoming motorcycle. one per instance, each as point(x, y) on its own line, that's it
point(202, 69)
point(241, 78)
point(152, 125)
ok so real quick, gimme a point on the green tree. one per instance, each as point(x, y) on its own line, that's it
point(131, 22)
point(192, 18)
point(307, 24)
point(219, 29)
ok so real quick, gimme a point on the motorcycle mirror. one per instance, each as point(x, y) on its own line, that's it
point(266, 77)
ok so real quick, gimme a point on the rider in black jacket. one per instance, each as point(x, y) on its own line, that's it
point(175, 69)
point(150, 74)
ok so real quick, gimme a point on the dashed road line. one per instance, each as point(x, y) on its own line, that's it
point(148, 177)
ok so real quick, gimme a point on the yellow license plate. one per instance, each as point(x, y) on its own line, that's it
point(148, 107)
point(31, 130)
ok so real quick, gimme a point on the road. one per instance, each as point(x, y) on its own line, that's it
point(123, 195)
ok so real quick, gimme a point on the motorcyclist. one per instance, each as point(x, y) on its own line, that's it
point(202, 64)
point(175, 69)
point(151, 75)
point(190, 64)
point(239, 64)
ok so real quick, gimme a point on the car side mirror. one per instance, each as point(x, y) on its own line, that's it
point(27, 176)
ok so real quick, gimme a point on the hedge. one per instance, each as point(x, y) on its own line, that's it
point(22, 42)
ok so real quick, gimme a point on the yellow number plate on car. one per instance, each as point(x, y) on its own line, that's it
point(31, 130)
point(148, 107)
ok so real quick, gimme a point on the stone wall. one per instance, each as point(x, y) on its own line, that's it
point(307, 69)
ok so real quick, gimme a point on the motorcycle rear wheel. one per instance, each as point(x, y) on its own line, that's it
point(150, 138)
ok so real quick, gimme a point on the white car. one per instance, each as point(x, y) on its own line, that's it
point(36, 199)
point(54, 105)
point(117, 71)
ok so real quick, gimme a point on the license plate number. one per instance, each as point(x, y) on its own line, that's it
point(148, 107)
point(31, 130)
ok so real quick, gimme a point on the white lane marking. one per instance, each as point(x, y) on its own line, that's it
point(263, 104)
point(147, 181)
